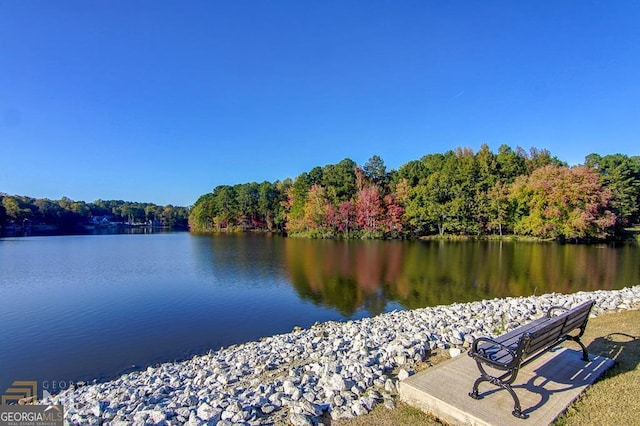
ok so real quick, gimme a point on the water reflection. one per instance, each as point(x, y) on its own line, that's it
point(248, 259)
point(349, 275)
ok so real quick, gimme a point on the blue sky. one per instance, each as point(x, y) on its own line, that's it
point(161, 101)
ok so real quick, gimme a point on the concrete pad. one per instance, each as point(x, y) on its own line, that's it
point(546, 388)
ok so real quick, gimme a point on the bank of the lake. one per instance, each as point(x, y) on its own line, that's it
point(340, 368)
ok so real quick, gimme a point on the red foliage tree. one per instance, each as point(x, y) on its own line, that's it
point(369, 209)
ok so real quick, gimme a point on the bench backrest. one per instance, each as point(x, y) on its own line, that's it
point(551, 331)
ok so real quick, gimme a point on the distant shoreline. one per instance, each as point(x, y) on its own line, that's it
point(116, 229)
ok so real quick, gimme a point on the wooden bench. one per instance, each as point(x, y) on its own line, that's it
point(517, 348)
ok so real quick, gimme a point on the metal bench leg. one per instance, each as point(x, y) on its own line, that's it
point(517, 409)
point(504, 384)
point(585, 354)
point(474, 391)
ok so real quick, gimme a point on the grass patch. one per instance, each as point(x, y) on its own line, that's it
point(612, 400)
point(403, 415)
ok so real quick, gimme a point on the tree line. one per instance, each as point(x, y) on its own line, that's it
point(459, 192)
point(21, 213)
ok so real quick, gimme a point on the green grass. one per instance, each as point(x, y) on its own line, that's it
point(614, 399)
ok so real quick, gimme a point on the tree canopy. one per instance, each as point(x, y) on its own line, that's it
point(69, 216)
point(459, 192)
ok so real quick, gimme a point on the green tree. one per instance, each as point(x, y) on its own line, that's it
point(375, 170)
point(339, 181)
point(296, 199)
point(499, 207)
point(539, 158)
point(16, 208)
point(620, 174)
point(247, 196)
point(225, 206)
point(202, 216)
point(3, 213)
point(511, 164)
point(429, 205)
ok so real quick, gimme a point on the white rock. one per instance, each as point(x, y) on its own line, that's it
point(157, 416)
point(338, 383)
point(289, 387)
point(207, 412)
point(454, 352)
point(300, 420)
point(403, 374)
point(268, 408)
point(359, 409)
point(389, 404)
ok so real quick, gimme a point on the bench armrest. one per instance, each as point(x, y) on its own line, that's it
point(556, 308)
point(480, 354)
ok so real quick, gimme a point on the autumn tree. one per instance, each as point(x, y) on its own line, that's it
point(369, 211)
point(315, 208)
point(346, 216)
point(562, 203)
point(392, 220)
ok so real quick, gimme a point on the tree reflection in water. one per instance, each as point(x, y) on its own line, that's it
point(349, 275)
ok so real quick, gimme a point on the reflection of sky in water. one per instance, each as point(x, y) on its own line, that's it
point(75, 308)
point(89, 306)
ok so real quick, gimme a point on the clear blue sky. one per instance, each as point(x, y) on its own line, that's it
point(160, 101)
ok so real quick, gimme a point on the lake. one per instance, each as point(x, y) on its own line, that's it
point(85, 307)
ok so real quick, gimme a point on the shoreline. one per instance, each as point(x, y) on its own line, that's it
point(341, 369)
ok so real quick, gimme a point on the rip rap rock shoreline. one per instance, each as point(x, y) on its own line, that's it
point(340, 369)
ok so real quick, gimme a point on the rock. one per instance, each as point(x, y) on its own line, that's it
point(300, 420)
point(341, 413)
point(309, 409)
point(454, 352)
point(289, 387)
point(268, 408)
point(368, 402)
point(403, 374)
point(208, 413)
point(296, 394)
point(390, 386)
point(157, 416)
point(389, 404)
point(338, 383)
point(359, 409)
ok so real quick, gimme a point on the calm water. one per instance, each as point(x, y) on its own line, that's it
point(83, 307)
